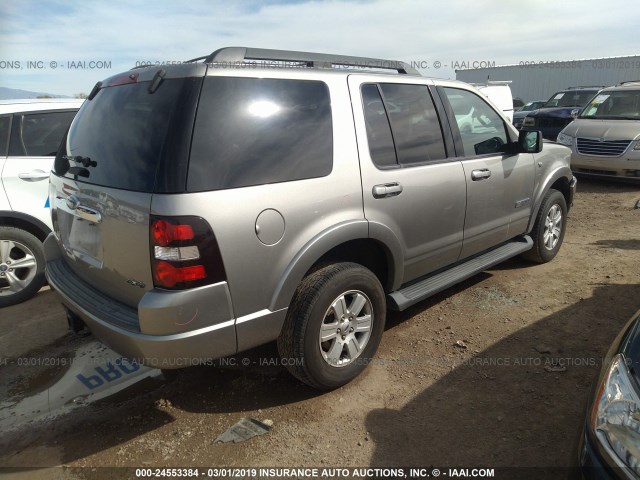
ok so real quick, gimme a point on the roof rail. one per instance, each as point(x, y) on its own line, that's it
point(629, 81)
point(237, 55)
point(585, 86)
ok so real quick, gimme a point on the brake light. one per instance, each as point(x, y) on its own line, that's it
point(184, 253)
point(165, 233)
point(122, 80)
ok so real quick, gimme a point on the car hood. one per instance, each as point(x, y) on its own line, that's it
point(607, 129)
point(521, 114)
point(556, 112)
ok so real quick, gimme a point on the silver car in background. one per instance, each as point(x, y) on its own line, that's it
point(605, 137)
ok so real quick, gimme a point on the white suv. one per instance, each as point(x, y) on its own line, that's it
point(30, 134)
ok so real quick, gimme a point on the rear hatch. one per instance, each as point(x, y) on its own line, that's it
point(128, 141)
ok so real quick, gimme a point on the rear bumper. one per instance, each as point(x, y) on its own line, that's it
point(167, 330)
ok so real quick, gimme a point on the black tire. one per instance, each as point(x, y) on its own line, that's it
point(23, 241)
point(299, 342)
point(541, 253)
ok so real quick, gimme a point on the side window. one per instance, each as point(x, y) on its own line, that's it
point(5, 122)
point(481, 128)
point(40, 134)
point(254, 131)
point(414, 123)
point(381, 148)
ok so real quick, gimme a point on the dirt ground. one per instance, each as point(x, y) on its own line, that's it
point(513, 394)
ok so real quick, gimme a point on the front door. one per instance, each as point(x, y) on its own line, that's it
point(499, 184)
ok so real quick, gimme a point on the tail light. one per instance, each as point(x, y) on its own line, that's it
point(184, 253)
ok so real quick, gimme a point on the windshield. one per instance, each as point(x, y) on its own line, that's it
point(531, 106)
point(570, 98)
point(620, 104)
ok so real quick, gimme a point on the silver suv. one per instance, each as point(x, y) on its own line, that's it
point(605, 138)
point(255, 195)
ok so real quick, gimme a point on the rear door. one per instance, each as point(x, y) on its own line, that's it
point(499, 184)
point(34, 141)
point(411, 184)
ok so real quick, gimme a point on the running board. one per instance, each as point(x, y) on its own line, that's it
point(408, 296)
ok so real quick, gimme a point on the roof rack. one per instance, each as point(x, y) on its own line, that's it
point(238, 55)
point(585, 86)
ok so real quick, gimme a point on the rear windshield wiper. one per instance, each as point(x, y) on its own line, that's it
point(85, 161)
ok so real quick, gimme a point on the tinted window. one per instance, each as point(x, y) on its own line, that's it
point(252, 131)
point(126, 131)
point(381, 147)
point(4, 134)
point(414, 122)
point(40, 133)
point(481, 128)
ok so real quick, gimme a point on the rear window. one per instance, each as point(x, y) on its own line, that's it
point(253, 131)
point(125, 132)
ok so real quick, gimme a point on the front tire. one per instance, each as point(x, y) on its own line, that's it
point(21, 266)
point(333, 326)
point(548, 232)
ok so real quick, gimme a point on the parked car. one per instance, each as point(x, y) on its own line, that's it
point(30, 134)
point(605, 138)
point(610, 443)
point(206, 208)
point(520, 113)
point(559, 111)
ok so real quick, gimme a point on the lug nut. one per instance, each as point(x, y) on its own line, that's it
point(351, 330)
point(344, 336)
point(11, 269)
point(8, 262)
point(339, 332)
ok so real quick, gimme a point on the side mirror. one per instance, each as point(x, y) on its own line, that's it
point(530, 141)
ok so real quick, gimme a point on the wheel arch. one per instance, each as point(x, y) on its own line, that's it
point(345, 242)
point(560, 180)
point(35, 227)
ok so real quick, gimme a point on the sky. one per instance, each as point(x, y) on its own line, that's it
point(65, 47)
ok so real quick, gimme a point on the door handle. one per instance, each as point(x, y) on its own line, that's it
point(34, 176)
point(387, 190)
point(480, 174)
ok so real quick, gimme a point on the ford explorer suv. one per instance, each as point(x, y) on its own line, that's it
point(605, 138)
point(30, 134)
point(254, 195)
point(559, 111)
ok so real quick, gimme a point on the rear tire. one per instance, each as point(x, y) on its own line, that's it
point(21, 266)
point(549, 229)
point(333, 326)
